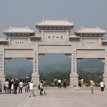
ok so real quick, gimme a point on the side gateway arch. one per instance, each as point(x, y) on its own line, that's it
point(54, 36)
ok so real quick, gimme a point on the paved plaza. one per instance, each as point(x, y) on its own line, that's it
point(69, 97)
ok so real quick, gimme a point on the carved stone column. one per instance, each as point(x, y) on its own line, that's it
point(74, 75)
point(2, 76)
point(35, 74)
point(105, 69)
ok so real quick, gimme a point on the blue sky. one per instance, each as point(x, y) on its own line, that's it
point(86, 13)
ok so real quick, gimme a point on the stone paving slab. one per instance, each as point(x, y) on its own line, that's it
point(69, 97)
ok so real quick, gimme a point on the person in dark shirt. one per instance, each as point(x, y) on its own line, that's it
point(0, 86)
point(15, 87)
point(10, 84)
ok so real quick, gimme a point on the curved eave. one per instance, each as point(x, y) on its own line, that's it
point(74, 36)
point(39, 25)
point(19, 34)
point(104, 42)
point(11, 32)
point(3, 42)
point(55, 23)
point(35, 38)
point(54, 27)
point(18, 30)
point(90, 32)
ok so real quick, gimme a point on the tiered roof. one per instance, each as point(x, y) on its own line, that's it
point(3, 41)
point(91, 30)
point(55, 23)
point(19, 30)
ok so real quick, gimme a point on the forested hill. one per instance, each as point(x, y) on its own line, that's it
point(23, 67)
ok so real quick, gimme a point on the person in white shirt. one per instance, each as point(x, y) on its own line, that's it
point(102, 85)
point(82, 81)
point(59, 83)
point(20, 86)
point(31, 87)
point(12, 86)
point(6, 86)
point(55, 82)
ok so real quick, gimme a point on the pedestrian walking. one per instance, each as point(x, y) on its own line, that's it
point(15, 87)
point(92, 84)
point(31, 87)
point(12, 86)
point(6, 86)
point(59, 83)
point(65, 83)
point(40, 87)
point(55, 82)
point(10, 83)
point(102, 86)
point(20, 86)
point(0, 87)
point(82, 82)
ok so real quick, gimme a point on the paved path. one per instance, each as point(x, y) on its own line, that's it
point(69, 97)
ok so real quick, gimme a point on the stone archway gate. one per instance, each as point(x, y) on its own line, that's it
point(54, 37)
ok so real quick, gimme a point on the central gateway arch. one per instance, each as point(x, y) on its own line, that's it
point(54, 36)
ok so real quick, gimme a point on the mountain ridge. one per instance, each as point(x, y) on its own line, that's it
point(24, 67)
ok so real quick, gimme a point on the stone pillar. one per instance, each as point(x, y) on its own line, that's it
point(2, 76)
point(105, 69)
point(74, 75)
point(35, 74)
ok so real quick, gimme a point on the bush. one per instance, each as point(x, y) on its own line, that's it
point(50, 84)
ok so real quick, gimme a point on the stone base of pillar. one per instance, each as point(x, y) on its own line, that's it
point(105, 79)
point(73, 80)
point(2, 78)
point(35, 78)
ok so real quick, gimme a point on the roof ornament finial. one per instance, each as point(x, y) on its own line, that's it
point(43, 19)
point(27, 27)
point(81, 27)
point(65, 18)
point(97, 27)
point(10, 27)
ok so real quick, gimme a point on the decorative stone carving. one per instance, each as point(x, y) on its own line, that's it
point(74, 75)
point(35, 74)
point(105, 69)
point(2, 77)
